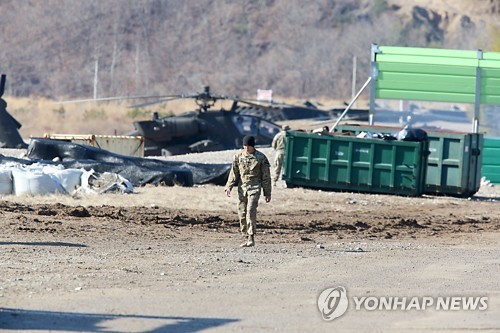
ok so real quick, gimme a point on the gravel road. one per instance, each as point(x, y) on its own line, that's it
point(166, 259)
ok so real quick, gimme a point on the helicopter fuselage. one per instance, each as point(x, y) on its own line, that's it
point(202, 131)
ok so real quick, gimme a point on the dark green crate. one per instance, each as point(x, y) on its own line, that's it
point(353, 164)
point(454, 163)
point(491, 160)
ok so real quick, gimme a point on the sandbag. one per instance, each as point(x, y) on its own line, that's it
point(70, 179)
point(28, 182)
point(6, 181)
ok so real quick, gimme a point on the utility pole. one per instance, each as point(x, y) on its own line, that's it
point(354, 68)
point(96, 70)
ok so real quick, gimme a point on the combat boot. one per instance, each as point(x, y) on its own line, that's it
point(250, 242)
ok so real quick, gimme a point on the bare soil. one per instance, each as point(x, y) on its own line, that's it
point(166, 259)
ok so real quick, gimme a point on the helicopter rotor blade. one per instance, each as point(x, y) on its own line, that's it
point(115, 98)
point(135, 106)
point(271, 106)
point(168, 98)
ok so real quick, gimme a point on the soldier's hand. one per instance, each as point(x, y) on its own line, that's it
point(268, 198)
point(228, 192)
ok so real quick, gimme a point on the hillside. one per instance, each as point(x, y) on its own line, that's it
point(299, 49)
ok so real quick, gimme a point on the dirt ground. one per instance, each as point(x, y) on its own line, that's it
point(166, 259)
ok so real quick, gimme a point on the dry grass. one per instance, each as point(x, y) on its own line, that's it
point(39, 115)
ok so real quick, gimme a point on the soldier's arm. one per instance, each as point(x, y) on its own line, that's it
point(266, 177)
point(234, 174)
point(275, 141)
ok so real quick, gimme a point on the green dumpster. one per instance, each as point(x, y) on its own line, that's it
point(454, 163)
point(491, 159)
point(352, 164)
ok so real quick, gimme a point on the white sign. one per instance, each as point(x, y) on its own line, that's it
point(264, 95)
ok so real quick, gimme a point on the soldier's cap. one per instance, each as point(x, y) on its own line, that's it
point(285, 127)
point(249, 140)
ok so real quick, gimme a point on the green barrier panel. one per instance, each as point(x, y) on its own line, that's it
point(441, 75)
point(491, 160)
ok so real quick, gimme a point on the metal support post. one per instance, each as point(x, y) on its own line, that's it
point(477, 97)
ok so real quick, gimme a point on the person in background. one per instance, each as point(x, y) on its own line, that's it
point(278, 145)
point(250, 171)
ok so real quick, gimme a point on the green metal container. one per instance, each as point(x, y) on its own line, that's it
point(491, 160)
point(454, 163)
point(354, 164)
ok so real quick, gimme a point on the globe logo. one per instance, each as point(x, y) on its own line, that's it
point(333, 303)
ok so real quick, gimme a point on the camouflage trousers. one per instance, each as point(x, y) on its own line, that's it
point(278, 165)
point(247, 212)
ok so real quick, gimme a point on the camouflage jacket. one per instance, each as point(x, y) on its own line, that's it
point(251, 173)
point(279, 141)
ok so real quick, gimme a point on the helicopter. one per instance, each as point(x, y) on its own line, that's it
point(202, 130)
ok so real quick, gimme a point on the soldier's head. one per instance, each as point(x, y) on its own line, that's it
point(285, 128)
point(249, 143)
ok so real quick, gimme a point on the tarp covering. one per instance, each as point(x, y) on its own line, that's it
point(139, 171)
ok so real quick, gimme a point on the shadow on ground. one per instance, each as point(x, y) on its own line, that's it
point(44, 244)
point(31, 320)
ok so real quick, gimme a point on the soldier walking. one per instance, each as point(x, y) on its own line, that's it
point(278, 145)
point(250, 171)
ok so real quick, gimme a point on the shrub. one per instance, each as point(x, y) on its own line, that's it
point(94, 114)
point(60, 111)
point(138, 113)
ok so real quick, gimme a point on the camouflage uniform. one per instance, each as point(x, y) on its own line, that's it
point(250, 172)
point(279, 147)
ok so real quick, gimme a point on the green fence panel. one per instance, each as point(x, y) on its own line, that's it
point(425, 96)
point(420, 82)
point(436, 75)
point(385, 67)
point(491, 160)
point(428, 60)
point(432, 52)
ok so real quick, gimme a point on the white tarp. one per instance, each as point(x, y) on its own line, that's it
point(6, 181)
